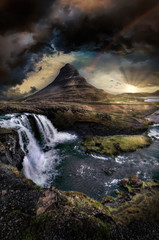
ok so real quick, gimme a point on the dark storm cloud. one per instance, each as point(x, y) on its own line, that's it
point(16, 94)
point(17, 21)
point(21, 14)
point(93, 30)
point(28, 26)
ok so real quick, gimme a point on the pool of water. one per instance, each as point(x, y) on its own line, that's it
point(84, 172)
point(58, 158)
point(152, 99)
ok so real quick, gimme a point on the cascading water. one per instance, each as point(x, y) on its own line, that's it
point(66, 165)
point(154, 131)
point(41, 157)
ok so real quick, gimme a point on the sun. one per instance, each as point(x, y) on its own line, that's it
point(131, 89)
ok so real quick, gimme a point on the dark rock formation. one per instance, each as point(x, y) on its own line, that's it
point(10, 150)
point(155, 94)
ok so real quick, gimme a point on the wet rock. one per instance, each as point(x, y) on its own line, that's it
point(108, 171)
point(116, 191)
point(134, 182)
point(123, 182)
point(10, 150)
point(107, 200)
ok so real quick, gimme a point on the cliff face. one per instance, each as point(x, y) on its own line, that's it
point(10, 150)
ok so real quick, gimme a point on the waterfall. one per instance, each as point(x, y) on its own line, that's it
point(41, 158)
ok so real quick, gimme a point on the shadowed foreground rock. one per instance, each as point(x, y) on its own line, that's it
point(10, 150)
point(28, 212)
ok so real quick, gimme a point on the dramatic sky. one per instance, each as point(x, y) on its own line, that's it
point(113, 43)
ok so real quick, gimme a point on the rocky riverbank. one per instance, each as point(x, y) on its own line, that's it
point(30, 213)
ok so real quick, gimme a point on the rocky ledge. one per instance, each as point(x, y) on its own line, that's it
point(10, 150)
point(89, 118)
point(30, 213)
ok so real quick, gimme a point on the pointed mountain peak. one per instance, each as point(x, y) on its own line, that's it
point(69, 70)
point(69, 85)
point(67, 73)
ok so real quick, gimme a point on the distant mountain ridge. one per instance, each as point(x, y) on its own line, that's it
point(155, 94)
point(141, 94)
point(69, 85)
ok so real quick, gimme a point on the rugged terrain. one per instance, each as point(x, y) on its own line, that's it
point(31, 213)
point(92, 118)
point(71, 103)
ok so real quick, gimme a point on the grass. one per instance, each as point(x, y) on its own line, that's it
point(116, 144)
point(15, 212)
point(38, 187)
point(121, 100)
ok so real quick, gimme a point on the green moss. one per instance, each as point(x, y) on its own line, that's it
point(83, 213)
point(107, 199)
point(35, 227)
point(15, 212)
point(82, 202)
point(124, 99)
point(142, 207)
point(10, 169)
point(41, 219)
point(105, 228)
point(38, 187)
point(28, 237)
point(115, 144)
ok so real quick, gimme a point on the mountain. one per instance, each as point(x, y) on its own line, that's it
point(133, 95)
point(155, 94)
point(69, 85)
point(142, 94)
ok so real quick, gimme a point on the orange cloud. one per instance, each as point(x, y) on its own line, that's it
point(87, 5)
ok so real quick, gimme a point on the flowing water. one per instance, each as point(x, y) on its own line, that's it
point(41, 157)
point(58, 159)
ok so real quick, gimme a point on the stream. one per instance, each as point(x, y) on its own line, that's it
point(57, 159)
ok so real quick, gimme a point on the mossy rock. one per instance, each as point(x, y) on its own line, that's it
point(115, 145)
point(139, 202)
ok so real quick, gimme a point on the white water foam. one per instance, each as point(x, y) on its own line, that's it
point(84, 170)
point(99, 157)
point(120, 159)
point(108, 185)
point(40, 161)
point(154, 131)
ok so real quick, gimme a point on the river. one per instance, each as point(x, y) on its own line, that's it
point(57, 159)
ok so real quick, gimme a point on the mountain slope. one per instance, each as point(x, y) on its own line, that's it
point(69, 85)
point(155, 94)
point(141, 94)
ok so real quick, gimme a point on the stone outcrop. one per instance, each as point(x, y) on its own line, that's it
point(10, 150)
